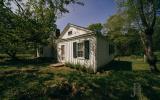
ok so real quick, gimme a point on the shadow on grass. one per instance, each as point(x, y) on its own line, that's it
point(26, 62)
point(118, 65)
point(27, 86)
point(118, 85)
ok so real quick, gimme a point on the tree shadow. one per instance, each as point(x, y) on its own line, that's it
point(151, 93)
point(118, 65)
point(27, 62)
point(28, 86)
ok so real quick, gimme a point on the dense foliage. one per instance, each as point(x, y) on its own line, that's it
point(126, 40)
point(142, 15)
point(29, 24)
point(96, 27)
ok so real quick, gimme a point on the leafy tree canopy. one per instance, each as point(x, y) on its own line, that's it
point(127, 41)
point(142, 15)
point(96, 27)
point(30, 23)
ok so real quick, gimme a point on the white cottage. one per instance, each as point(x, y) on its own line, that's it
point(78, 45)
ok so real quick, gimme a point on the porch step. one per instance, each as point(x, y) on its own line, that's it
point(57, 65)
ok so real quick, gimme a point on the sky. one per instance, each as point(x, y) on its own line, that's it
point(93, 11)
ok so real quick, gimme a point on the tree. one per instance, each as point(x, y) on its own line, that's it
point(127, 41)
point(30, 23)
point(45, 13)
point(96, 27)
point(142, 13)
point(11, 33)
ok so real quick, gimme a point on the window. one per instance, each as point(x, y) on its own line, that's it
point(87, 49)
point(80, 49)
point(70, 33)
point(111, 49)
point(62, 52)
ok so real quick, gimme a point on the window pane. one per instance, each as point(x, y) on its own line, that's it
point(80, 53)
point(80, 50)
point(70, 33)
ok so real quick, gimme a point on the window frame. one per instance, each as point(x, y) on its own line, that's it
point(83, 50)
point(70, 33)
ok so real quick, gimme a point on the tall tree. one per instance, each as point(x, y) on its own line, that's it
point(29, 22)
point(127, 40)
point(11, 33)
point(143, 15)
point(96, 27)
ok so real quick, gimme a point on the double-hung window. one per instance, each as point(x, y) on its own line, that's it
point(80, 49)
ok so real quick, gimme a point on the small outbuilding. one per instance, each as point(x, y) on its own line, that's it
point(79, 45)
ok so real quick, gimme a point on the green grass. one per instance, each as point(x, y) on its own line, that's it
point(40, 81)
point(138, 62)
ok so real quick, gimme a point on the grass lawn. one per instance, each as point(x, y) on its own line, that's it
point(116, 82)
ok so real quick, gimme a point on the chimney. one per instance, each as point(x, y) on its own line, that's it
point(57, 33)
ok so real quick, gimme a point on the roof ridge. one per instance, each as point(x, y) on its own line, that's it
point(69, 24)
point(79, 26)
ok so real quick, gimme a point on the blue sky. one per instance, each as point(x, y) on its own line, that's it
point(93, 11)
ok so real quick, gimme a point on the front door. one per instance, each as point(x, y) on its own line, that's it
point(62, 52)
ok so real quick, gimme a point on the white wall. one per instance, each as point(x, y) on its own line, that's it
point(102, 55)
point(99, 49)
point(91, 62)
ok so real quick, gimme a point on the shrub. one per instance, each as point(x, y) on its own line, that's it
point(80, 67)
point(69, 65)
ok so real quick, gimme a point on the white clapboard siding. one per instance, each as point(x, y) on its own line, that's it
point(99, 47)
point(103, 56)
point(69, 52)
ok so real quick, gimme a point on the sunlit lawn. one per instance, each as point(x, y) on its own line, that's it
point(138, 63)
point(40, 81)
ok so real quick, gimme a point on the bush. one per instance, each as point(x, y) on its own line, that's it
point(69, 65)
point(80, 67)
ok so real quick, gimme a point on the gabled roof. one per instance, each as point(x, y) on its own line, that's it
point(76, 26)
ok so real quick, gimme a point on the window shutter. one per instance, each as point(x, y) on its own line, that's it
point(74, 50)
point(87, 49)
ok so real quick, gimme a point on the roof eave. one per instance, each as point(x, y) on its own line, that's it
point(69, 25)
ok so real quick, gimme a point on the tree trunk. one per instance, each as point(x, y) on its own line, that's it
point(151, 58)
